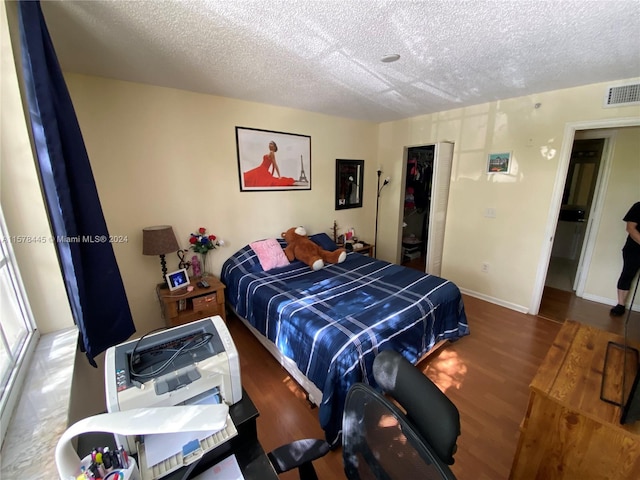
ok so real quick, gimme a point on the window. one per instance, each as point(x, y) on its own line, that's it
point(18, 334)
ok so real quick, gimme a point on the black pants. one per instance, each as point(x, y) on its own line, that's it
point(630, 266)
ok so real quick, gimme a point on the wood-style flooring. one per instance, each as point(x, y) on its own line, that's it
point(485, 374)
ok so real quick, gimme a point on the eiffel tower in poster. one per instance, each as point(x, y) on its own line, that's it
point(303, 176)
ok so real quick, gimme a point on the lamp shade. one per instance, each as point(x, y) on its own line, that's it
point(159, 240)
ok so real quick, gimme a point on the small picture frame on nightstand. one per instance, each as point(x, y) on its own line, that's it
point(177, 279)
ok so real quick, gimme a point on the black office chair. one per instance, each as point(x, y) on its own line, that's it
point(430, 411)
point(299, 454)
point(381, 441)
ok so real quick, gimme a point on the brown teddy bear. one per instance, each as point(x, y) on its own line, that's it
point(300, 247)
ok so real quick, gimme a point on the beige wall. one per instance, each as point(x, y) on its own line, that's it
point(624, 189)
point(22, 201)
point(514, 242)
point(164, 156)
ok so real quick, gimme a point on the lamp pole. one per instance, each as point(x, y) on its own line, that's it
point(379, 189)
point(375, 238)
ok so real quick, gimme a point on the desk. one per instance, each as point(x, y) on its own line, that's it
point(568, 432)
point(252, 459)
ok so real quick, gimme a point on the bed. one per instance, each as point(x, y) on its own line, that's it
point(325, 327)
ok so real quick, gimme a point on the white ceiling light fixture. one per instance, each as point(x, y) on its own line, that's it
point(393, 57)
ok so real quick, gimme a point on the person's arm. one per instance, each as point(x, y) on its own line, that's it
point(632, 230)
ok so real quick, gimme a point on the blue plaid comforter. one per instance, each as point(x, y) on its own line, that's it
point(334, 321)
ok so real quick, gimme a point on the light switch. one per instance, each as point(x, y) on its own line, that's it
point(490, 212)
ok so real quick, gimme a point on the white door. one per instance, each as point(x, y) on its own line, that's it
point(443, 160)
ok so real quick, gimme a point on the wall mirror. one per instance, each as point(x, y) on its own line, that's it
point(349, 180)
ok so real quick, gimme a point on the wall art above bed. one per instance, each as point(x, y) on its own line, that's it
point(273, 160)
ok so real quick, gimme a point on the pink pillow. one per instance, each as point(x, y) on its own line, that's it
point(270, 254)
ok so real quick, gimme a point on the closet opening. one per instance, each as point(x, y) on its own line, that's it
point(417, 206)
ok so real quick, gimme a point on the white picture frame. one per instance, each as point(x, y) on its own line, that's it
point(178, 279)
point(499, 162)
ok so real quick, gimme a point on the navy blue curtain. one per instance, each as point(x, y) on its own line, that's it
point(94, 286)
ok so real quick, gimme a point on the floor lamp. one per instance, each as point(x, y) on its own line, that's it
point(378, 190)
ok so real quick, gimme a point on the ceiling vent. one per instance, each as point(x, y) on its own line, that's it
point(623, 95)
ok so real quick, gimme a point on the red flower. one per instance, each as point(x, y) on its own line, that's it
point(201, 242)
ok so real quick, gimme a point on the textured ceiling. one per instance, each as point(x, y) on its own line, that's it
point(324, 56)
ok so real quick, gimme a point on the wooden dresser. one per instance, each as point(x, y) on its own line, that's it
point(568, 432)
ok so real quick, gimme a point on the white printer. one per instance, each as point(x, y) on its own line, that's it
point(195, 363)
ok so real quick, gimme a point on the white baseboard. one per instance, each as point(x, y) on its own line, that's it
point(496, 301)
point(608, 301)
point(522, 309)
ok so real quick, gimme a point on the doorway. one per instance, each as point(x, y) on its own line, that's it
point(426, 172)
point(577, 222)
point(575, 210)
point(417, 205)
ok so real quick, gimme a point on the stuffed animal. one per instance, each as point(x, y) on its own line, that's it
point(300, 247)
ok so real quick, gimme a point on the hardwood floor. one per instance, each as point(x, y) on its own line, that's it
point(560, 305)
point(485, 374)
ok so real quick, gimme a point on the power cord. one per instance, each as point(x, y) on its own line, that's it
point(193, 343)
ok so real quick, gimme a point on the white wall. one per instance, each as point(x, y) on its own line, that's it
point(165, 156)
point(514, 242)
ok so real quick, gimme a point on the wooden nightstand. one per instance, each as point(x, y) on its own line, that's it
point(366, 249)
point(182, 306)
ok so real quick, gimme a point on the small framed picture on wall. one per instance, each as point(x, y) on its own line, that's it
point(499, 162)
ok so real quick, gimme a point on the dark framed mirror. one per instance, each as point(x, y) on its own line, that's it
point(349, 180)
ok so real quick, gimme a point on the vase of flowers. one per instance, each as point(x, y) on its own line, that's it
point(203, 243)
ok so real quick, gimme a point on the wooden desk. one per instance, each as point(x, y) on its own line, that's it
point(568, 432)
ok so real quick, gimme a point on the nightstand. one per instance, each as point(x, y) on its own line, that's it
point(183, 306)
point(366, 249)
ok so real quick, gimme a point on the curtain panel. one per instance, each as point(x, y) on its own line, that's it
point(92, 278)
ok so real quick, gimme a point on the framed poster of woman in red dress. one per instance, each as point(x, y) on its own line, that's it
point(273, 160)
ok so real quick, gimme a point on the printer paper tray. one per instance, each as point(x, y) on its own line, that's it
point(177, 461)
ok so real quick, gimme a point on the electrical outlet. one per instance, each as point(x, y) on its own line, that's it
point(485, 267)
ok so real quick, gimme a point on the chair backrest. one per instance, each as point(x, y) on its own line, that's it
point(378, 442)
point(429, 410)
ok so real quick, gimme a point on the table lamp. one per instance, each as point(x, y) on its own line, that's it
point(159, 240)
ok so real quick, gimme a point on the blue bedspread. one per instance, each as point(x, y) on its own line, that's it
point(334, 321)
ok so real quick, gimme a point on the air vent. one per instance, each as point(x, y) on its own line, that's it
point(623, 95)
